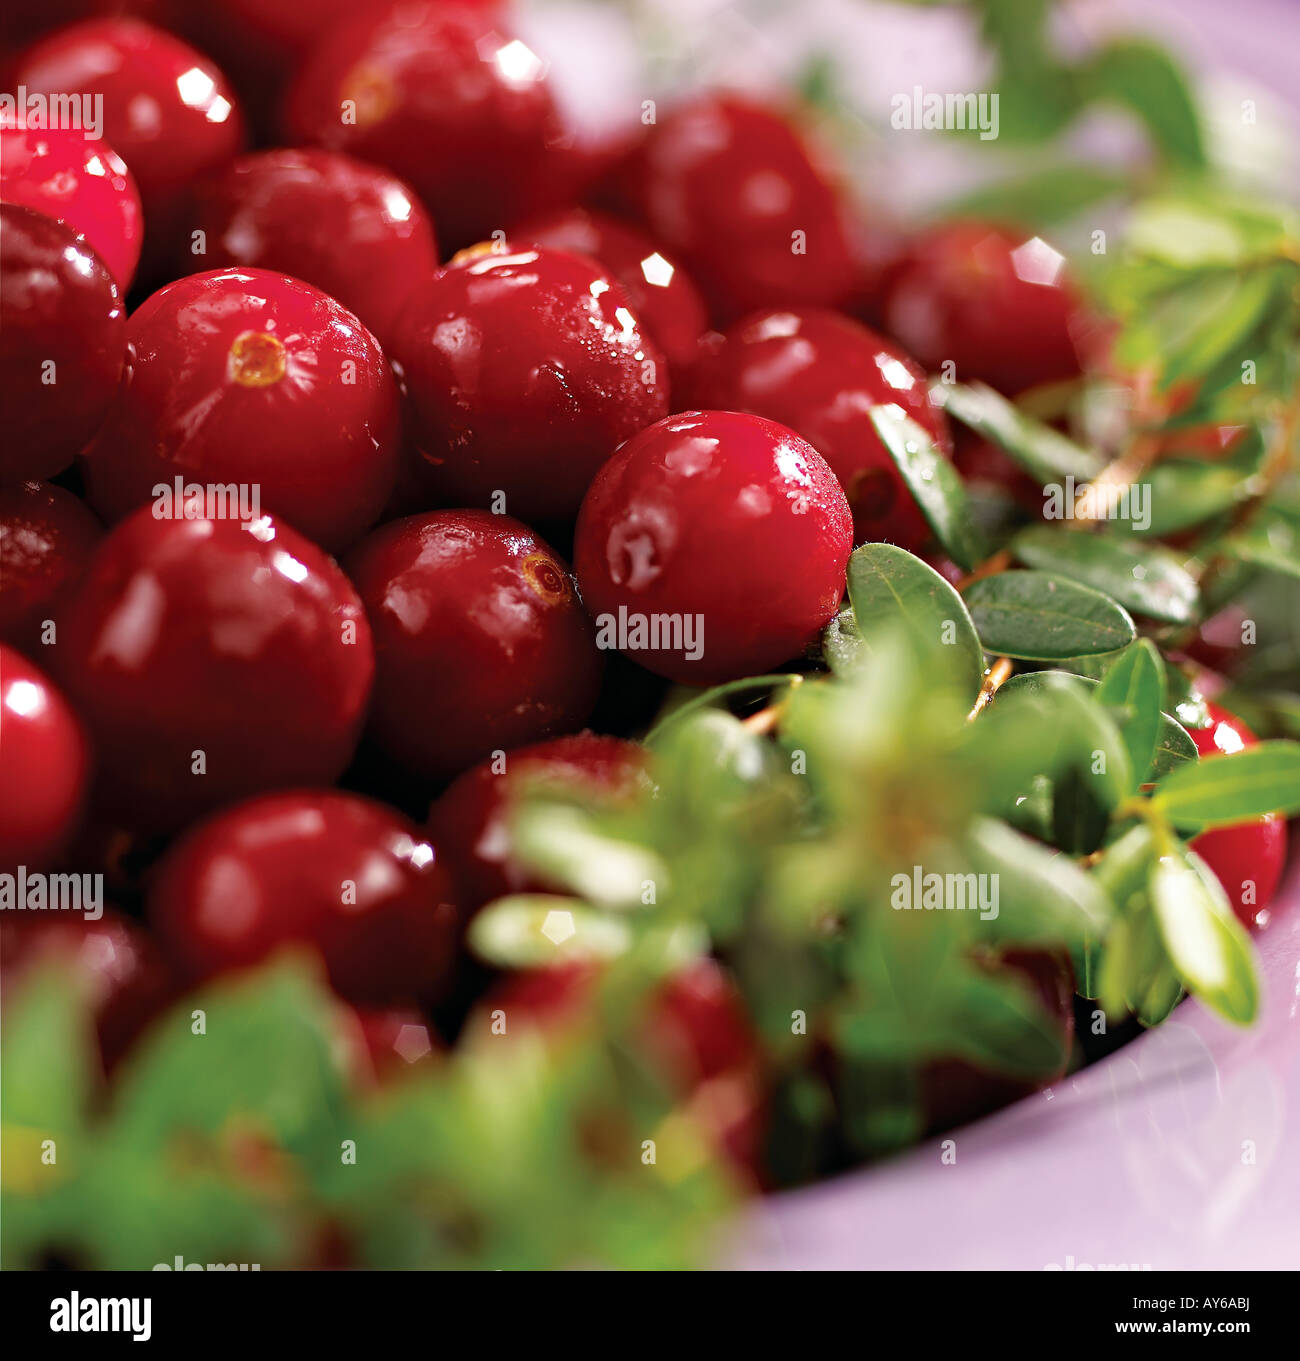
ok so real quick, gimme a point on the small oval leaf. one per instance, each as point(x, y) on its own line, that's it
point(1042, 617)
point(1224, 790)
point(1207, 946)
point(934, 483)
point(1145, 578)
point(890, 586)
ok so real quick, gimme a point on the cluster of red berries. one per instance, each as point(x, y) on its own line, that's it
point(306, 379)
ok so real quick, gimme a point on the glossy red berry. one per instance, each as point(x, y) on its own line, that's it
point(822, 375)
point(661, 294)
point(712, 546)
point(345, 875)
point(353, 230)
point(46, 538)
point(525, 372)
point(80, 180)
point(125, 980)
point(1248, 858)
point(62, 339)
point(732, 189)
point(442, 97)
point(213, 659)
point(471, 819)
point(43, 766)
point(385, 1042)
point(255, 380)
point(997, 305)
point(481, 643)
point(168, 111)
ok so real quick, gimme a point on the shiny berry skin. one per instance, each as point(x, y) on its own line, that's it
point(1247, 858)
point(725, 517)
point(659, 291)
point(46, 538)
point(998, 305)
point(481, 643)
point(44, 763)
point(343, 874)
point(82, 181)
point(352, 230)
point(62, 340)
point(126, 981)
point(821, 374)
point(385, 1042)
point(727, 185)
point(525, 372)
point(470, 821)
point(239, 640)
point(168, 111)
point(442, 98)
point(258, 379)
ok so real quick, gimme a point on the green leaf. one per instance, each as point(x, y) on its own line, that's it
point(1043, 197)
point(181, 1081)
point(1271, 541)
point(1133, 690)
point(1146, 578)
point(1208, 947)
point(48, 1051)
point(566, 845)
point(1174, 746)
point(1228, 789)
point(536, 930)
point(842, 647)
point(1144, 78)
point(707, 699)
point(1041, 451)
point(1003, 1026)
point(1042, 617)
point(933, 482)
point(889, 587)
point(1044, 898)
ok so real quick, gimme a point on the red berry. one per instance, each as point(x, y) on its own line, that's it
point(997, 305)
point(80, 180)
point(349, 877)
point(822, 374)
point(659, 291)
point(953, 1091)
point(46, 538)
point(471, 820)
point(43, 767)
point(525, 372)
point(481, 643)
point(438, 94)
point(1247, 858)
point(213, 659)
point(713, 546)
point(168, 111)
point(385, 1042)
point(62, 338)
point(353, 230)
point(256, 380)
point(700, 1023)
point(732, 188)
point(125, 978)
